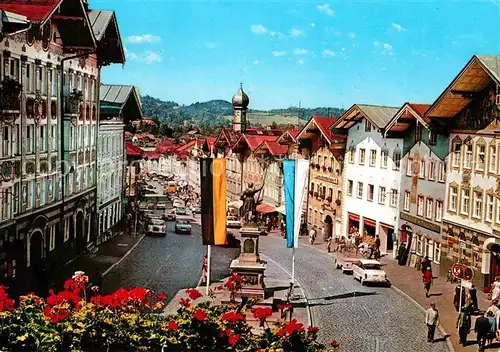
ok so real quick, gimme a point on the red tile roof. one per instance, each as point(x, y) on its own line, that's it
point(275, 149)
point(145, 136)
point(323, 124)
point(34, 12)
point(150, 155)
point(166, 148)
point(211, 141)
point(253, 141)
point(127, 135)
point(420, 109)
point(132, 149)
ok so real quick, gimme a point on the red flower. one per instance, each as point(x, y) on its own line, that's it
point(312, 329)
point(293, 326)
point(220, 288)
point(161, 296)
point(194, 294)
point(233, 339)
point(199, 315)
point(262, 313)
point(334, 343)
point(233, 317)
point(281, 332)
point(185, 302)
point(172, 325)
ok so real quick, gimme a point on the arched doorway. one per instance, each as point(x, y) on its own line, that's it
point(35, 265)
point(80, 232)
point(328, 227)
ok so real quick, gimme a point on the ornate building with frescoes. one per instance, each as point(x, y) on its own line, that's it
point(469, 107)
point(51, 71)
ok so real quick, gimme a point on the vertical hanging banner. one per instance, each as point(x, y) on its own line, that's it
point(295, 177)
point(213, 200)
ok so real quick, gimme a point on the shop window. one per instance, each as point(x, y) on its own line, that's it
point(429, 248)
point(419, 245)
point(437, 252)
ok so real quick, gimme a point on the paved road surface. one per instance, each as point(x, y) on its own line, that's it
point(363, 319)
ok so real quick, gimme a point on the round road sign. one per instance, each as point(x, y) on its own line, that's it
point(468, 273)
point(457, 271)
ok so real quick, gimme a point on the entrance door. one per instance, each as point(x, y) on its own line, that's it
point(390, 239)
point(494, 262)
point(328, 227)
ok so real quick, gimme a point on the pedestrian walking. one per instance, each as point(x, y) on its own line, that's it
point(401, 254)
point(493, 308)
point(426, 263)
point(463, 325)
point(493, 327)
point(431, 320)
point(473, 298)
point(495, 289)
point(456, 298)
point(329, 244)
point(482, 329)
point(427, 279)
point(312, 236)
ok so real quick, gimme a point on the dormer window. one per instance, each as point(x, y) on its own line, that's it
point(368, 126)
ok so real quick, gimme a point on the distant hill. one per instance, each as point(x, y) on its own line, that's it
point(218, 113)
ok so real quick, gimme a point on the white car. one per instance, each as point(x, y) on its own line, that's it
point(368, 270)
point(233, 221)
point(346, 264)
point(178, 203)
point(157, 227)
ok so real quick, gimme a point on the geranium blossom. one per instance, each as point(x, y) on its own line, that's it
point(200, 315)
point(185, 302)
point(172, 325)
point(194, 294)
point(233, 339)
point(233, 317)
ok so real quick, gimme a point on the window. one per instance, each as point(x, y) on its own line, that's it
point(14, 69)
point(360, 189)
point(54, 137)
point(383, 156)
point(421, 170)
point(439, 210)
point(456, 154)
point(420, 206)
point(493, 159)
point(442, 172)
point(373, 157)
point(498, 211)
point(419, 247)
point(437, 252)
point(41, 86)
point(29, 78)
point(431, 171)
point(418, 133)
point(349, 187)
point(6, 142)
point(66, 229)
point(43, 139)
point(453, 199)
point(480, 157)
point(409, 167)
point(465, 201)
point(368, 126)
point(43, 191)
point(432, 138)
point(468, 156)
point(371, 190)
point(478, 205)
point(429, 208)
point(362, 156)
point(352, 155)
point(52, 237)
point(381, 195)
point(396, 158)
point(30, 138)
point(394, 197)
point(489, 207)
point(16, 145)
point(407, 199)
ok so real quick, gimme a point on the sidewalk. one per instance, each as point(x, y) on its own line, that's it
point(408, 282)
point(108, 255)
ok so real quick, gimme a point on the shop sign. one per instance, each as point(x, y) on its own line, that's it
point(420, 222)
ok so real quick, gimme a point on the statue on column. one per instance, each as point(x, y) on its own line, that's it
point(249, 204)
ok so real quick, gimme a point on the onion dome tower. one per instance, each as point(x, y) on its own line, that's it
point(240, 106)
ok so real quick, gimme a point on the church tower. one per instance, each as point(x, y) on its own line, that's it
point(240, 106)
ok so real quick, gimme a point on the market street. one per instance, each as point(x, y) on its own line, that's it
point(362, 318)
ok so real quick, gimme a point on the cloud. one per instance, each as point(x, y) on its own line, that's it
point(295, 32)
point(259, 29)
point(351, 35)
point(333, 31)
point(210, 45)
point(152, 57)
point(398, 27)
point(385, 48)
point(244, 70)
point(130, 55)
point(312, 25)
point(256, 62)
point(144, 38)
point(279, 53)
point(326, 9)
point(328, 52)
point(300, 62)
point(300, 51)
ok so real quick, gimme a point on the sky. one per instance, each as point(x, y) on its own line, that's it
point(319, 53)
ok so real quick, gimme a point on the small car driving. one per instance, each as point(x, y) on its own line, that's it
point(368, 270)
point(169, 215)
point(180, 211)
point(183, 226)
point(157, 227)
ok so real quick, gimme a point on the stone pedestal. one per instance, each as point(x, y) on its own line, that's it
point(248, 264)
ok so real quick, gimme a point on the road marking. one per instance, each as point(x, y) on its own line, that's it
point(308, 308)
point(123, 258)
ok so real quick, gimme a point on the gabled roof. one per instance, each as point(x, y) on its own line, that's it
point(253, 141)
point(379, 116)
point(227, 137)
point(320, 124)
point(477, 74)
point(132, 149)
point(408, 112)
point(104, 25)
point(38, 12)
point(271, 147)
point(119, 95)
point(288, 134)
point(151, 155)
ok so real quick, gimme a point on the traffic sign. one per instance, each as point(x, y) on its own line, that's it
point(457, 271)
point(468, 273)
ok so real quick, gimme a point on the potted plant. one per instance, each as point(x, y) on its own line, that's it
point(338, 201)
point(324, 168)
point(330, 169)
point(323, 196)
point(9, 95)
point(316, 194)
point(329, 199)
point(317, 166)
point(311, 192)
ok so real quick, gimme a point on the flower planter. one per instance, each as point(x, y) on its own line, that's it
point(316, 194)
point(329, 199)
point(324, 168)
point(338, 202)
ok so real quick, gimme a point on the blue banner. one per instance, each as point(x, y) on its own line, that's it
point(289, 184)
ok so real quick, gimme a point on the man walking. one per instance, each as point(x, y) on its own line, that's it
point(482, 329)
point(427, 279)
point(426, 263)
point(463, 325)
point(431, 320)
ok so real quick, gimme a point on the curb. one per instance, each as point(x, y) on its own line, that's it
point(124, 256)
point(419, 306)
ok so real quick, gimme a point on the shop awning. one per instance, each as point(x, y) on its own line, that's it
point(370, 222)
point(281, 209)
point(236, 204)
point(353, 217)
point(265, 208)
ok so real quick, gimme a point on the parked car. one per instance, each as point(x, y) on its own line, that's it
point(183, 226)
point(369, 270)
point(178, 203)
point(151, 214)
point(157, 227)
point(169, 215)
point(180, 211)
point(233, 221)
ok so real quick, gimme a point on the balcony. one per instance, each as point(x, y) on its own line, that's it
point(10, 102)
